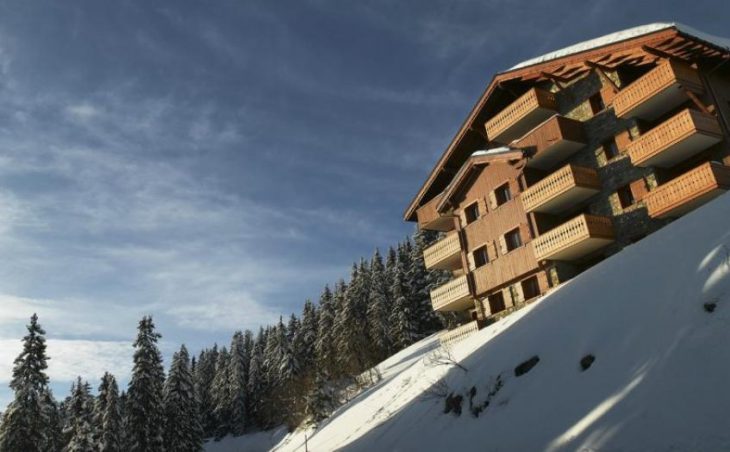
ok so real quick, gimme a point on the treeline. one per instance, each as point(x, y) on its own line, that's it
point(296, 371)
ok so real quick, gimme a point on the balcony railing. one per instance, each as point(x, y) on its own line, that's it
point(452, 296)
point(459, 333)
point(561, 190)
point(552, 142)
point(688, 191)
point(657, 91)
point(429, 218)
point(575, 239)
point(520, 116)
point(676, 139)
point(504, 269)
point(444, 254)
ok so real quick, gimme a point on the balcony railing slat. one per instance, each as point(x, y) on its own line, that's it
point(558, 183)
point(442, 250)
point(529, 102)
point(453, 291)
point(572, 233)
point(686, 188)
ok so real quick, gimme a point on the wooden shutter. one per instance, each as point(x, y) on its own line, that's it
point(623, 139)
point(502, 246)
point(525, 233)
point(482, 206)
point(470, 260)
point(639, 189)
point(514, 188)
point(491, 251)
point(492, 200)
point(462, 218)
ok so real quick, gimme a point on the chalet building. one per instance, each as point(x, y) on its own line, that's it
point(569, 157)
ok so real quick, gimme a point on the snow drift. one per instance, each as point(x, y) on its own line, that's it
point(658, 382)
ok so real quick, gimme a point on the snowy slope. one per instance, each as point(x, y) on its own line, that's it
point(659, 381)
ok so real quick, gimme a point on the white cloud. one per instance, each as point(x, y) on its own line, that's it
point(82, 112)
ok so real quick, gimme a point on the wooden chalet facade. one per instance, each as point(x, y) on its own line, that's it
point(568, 158)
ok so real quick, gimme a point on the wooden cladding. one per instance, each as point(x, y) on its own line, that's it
point(506, 268)
point(676, 139)
point(552, 142)
point(521, 115)
point(452, 296)
point(429, 218)
point(561, 190)
point(688, 191)
point(657, 91)
point(445, 254)
point(574, 239)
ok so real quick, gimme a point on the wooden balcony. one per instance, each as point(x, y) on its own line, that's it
point(504, 269)
point(552, 142)
point(688, 191)
point(430, 219)
point(459, 333)
point(575, 239)
point(676, 139)
point(522, 115)
point(444, 254)
point(561, 190)
point(452, 296)
point(657, 91)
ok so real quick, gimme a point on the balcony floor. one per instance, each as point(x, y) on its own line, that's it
point(580, 249)
point(554, 154)
point(563, 201)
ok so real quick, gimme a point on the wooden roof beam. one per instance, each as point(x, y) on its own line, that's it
point(658, 53)
point(601, 70)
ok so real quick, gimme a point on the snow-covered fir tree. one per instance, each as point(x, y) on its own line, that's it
point(145, 407)
point(79, 426)
point(182, 421)
point(324, 350)
point(306, 339)
point(204, 375)
point(256, 384)
point(419, 282)
point(237, 382)
point(108, 434)
point(319, 400)
point(220, 395)
point(26, 425)
point(351, 328)
point(404, 321)
point(378, 310)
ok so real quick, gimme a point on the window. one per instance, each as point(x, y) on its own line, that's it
point(496, 302)
point(530, 287)
point(610, 149)
point(502, 194)
point(625, 196)
point(480, 256)
point(597, 103)
point(512, 239)
point(471, 212)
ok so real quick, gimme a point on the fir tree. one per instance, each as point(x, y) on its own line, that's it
point(144, 407)
point(420, 283)
point(319, 400)
point(324, 346)
point(26, 424)
point(54, 430)
point(108, 432)
point(378, 311)
point(237, 382)
point(256, 384)
point(79, 429)
point(404, 323)
point(220, 395)
point(204, 375)
point(182, 430)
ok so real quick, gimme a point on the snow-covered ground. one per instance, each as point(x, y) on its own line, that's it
point(659, 381)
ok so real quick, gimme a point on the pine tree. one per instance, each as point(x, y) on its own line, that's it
point(79, 427)
point(256, 384)
point(107, 423)
point(220, 396)
point(144, 407)
point(420, 283)
point(324, 346)
point(378, 311)
point(351, 328)
point(404, 323)
point(182, 430)
point(320, 399)
point(237, 382)
point(204, 375)
point(26, 425)
point(54, 430)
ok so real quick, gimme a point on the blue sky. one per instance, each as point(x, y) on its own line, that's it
point(216, 163)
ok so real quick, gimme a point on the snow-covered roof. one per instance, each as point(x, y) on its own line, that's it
point(622, 36)
point(493, 151)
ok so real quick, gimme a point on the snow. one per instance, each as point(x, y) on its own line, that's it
point(622, 36)
point(659, 381)
point(493, 151)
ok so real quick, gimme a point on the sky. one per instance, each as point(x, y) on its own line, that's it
point(216, 163)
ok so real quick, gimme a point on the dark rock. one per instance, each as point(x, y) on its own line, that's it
point(526, 366)
point(710, 306)
point(452, 404)
point(586, 362)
